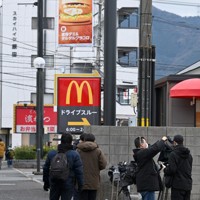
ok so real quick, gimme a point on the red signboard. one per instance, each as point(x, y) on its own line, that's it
point(78, 102)
point(25, 119)
point(75, 22)
point(78, 91)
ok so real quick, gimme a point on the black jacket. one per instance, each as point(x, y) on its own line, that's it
point(147, 177)
point(180, 167)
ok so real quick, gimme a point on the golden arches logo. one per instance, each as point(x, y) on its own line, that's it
point(79, 91)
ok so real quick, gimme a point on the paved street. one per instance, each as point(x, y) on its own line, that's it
point(21, 184)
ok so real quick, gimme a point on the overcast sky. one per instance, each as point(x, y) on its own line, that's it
point(179, 7)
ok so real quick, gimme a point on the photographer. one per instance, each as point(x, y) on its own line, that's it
point(180, 169)
point(147, 177)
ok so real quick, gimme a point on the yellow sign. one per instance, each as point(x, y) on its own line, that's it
point(84, 122)
point(79, 91)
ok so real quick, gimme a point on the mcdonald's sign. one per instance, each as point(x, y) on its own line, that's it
point(79, 92)
point(78, 102)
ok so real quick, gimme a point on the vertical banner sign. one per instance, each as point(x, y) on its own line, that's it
point(78, 103)
point(75, 22)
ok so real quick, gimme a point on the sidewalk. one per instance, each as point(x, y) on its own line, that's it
point(27, 172)
point(21, 184)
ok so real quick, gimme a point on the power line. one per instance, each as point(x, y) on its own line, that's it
point(178, 3)
point(49, 51)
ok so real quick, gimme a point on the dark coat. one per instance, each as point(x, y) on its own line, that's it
point(75, 163)
point(93, 161)
point(147, 177)
point(180, 167)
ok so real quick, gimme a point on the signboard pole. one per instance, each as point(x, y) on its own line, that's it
point(40, 87)
point(110, 63)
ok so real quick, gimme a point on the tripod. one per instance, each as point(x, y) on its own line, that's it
point(126, 193)
point(115, 188)
point(163, 195)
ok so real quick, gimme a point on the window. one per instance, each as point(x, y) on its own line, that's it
point(124, 96)
point(14, 46)
point(48, 23)
point(127, 57)
point(49, 60)
point(128, 18)
point(14, 54)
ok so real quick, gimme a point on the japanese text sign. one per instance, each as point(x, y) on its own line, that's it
point(25, 119)
point(78, 103)
point(75, 22)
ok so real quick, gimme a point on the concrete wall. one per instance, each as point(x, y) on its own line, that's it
point(117, 144)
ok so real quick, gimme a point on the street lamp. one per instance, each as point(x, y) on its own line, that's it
point(39, 63)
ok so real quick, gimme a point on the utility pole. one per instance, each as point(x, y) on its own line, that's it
point(110, 62)
point(146, 68)
point(98, 55)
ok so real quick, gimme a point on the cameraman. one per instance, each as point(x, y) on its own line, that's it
point(147, 177)
point(180, 168)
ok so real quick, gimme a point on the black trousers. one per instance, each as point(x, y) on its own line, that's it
point(88, 195)
point(180, 194)
point(57, 192)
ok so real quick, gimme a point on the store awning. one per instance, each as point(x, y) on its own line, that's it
point(189, 88)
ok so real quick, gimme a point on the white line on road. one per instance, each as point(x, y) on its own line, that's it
point(7, 184)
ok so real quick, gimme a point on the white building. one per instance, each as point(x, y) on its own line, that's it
point(19, 48)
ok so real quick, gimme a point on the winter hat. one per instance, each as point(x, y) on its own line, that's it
point(178, 139)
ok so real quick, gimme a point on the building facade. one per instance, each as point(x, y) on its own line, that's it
point(19, 48)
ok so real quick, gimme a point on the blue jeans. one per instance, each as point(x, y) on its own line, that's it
point(9, 162)
point(148, 195)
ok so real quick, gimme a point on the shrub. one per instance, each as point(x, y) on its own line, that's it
point(25, 153)
point(29, 152)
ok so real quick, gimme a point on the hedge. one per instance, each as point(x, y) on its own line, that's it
point(29, 152)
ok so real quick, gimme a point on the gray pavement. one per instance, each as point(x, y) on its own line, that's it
point(21, 184)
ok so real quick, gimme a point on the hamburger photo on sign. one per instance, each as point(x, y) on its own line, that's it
point(76, 11)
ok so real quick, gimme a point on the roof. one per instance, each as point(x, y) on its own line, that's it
point(174, 78)
point(190, 68)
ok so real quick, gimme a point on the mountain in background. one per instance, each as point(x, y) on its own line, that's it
point(177, 41)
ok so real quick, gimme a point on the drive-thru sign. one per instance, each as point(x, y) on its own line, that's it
point(78, 98)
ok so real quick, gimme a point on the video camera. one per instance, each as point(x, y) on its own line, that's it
point(164, 154)
point(124, 173)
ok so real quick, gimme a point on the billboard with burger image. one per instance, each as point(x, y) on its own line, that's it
point(75, 22)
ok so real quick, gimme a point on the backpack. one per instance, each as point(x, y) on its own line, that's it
point(9, 154)
point(59, 168)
